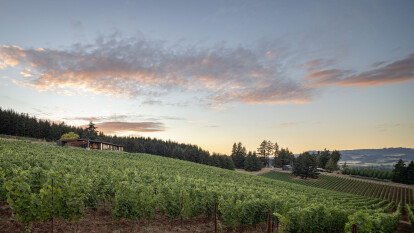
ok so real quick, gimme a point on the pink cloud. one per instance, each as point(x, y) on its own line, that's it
point(141, 68)
point(119, 126)
point(396, 72)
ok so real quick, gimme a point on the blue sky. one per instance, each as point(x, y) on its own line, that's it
point(306, 74)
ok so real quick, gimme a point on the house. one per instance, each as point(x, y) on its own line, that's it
point(90, 144)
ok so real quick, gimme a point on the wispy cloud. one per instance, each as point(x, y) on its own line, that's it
point(119, 126)
point(380, 74)
point(123, 118)
point(325, 77)
point(319, 63)
point(144, 68)
point(396, 72)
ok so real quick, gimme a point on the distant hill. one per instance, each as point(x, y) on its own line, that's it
point(374, 157)
point(367, 157)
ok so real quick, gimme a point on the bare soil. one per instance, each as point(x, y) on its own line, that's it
point(102, 221)
point(404, 225)
point(264, 170)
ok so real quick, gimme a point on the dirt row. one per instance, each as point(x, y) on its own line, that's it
point(102, 221)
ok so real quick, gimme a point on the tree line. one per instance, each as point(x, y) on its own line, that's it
point(255, 161)
point(306, 164)
point(377, 173)
point(21, 124)
point(402, 173)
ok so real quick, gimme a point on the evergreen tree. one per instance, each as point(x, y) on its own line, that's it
point(330, 165)
point(265, 150)
point(399, 172)
point(238, 155)
point(91, 130)
point(323, 158)
point(305, 166)
point(276, 150)
point(285, 157)
point(410, 173)
point(252, 163)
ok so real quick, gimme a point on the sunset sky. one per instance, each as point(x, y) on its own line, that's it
point(306, 74)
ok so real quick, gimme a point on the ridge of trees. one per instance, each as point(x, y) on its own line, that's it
point(21, 124)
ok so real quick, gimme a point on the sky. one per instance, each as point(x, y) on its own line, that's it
point(308, 75)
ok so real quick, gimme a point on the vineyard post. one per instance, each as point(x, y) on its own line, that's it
point(215, 215)
point(269, 224)
point(53, 210)
point(354, 228)
point(181, 207)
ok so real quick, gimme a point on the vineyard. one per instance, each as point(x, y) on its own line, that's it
point(43, 183)
point(396, 194)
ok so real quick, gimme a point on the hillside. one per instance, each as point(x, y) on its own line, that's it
point(367, 157)
point(374, 157)
point(85, 180)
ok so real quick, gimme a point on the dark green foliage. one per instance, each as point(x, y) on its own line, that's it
point(336, 156)
point(223, 161)
point(91, 131)
point(252, 162)
point(238, 154)
point(19, 124)
point(265, 150)
point(305, 166)
point(403, 174)
point(410, 173)
point(377, 172)
point(285, 157)
point(328, 160)
point(322, 158)
point(400, 172)
point(330, 165)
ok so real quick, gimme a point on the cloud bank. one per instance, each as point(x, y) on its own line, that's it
point(142, 68)
point(218, 74)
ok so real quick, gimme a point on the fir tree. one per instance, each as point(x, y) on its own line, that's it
point(399, 172)
point(410, 173)
point(238, 155)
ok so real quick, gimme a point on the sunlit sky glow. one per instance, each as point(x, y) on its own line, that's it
point(306, 74)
